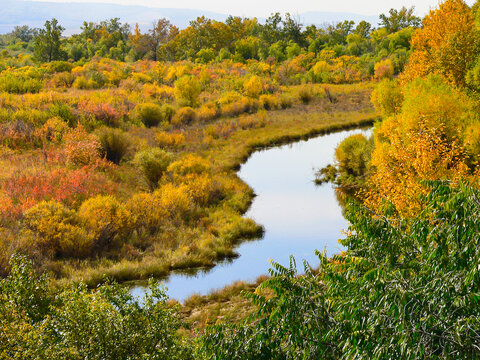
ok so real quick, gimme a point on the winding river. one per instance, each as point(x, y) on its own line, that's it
point(299, 217)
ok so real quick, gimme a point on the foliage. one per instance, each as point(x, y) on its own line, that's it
point(153, 162)
point(422, 142)
point(446, 45)
point(187, 91)
point(420, 281)
point(55, 232)
point(184, 116)
point(150, 114)
point(387, 97)
point(47, 43)
point(81, 148)
point(106, 220)
point(107, 323)
point(114, 144)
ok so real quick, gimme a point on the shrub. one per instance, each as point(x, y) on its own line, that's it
point(387, 97)
point(253, 87)
point(145, 214)
point(175, 202)
point(384, 69)
point(169, 140)
point(19, 84)
point(285, 101)
point(54, 129)
point(153, 162)
point(190, 164)
point(81, 148)
point(106, 219)
point(184, 116)
point(103, 112)
point(168, 112)
point(64, 112)
point(114, 144)
point(353, 157)
point(208, 112)
point(187, 91)
point(305, 94)
point(203, 189)
point(150, 114)
point(55, 230)
point(269, 102)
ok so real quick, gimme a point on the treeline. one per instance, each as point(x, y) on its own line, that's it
point(206, 40)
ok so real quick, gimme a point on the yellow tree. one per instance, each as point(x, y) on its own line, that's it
point(424, 141)
point(446, 45)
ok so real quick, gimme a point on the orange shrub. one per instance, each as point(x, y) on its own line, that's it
point(384, 69)
point(81, 148)
point(71, 187)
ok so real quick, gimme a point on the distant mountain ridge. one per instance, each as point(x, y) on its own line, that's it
point(72, 15)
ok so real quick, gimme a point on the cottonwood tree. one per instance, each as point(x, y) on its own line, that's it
point(48, 45)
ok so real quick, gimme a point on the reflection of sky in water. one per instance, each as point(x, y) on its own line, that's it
point(298, 216)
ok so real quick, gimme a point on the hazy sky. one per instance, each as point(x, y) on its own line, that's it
point(264, 8)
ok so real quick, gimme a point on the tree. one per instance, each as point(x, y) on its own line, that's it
point(447, 44)
point(48, 45)
point(24, 33)
point(399, 19)
point(363, 29)
point(404, 289)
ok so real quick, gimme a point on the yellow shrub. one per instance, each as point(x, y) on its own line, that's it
point(169, 140)
point(190, 164)
point(203, 189)
point(184, 116)
point(269, 102)
point(106, 219)
point(174, 201)
point(145, 214)
point(253, 87)
point(55, 230)
point(208, 112)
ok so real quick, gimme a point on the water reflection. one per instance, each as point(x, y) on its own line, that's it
point(299, 217)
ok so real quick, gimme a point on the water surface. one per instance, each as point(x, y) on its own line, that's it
point(299, 217)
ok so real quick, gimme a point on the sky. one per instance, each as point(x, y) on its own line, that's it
point(264, 8)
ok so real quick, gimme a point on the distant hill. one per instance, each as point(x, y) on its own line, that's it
point(72, 15)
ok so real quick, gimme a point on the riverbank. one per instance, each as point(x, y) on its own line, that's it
point(227, 144)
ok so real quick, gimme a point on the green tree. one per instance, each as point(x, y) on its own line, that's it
point(405, 289)
point(48, 46)
point(397, 20)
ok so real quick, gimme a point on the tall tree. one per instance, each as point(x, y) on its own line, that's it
point(399, 19)
point(48, 45)
point(446, 45)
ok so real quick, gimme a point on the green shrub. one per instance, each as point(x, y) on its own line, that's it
point(16, 84)
point(114, 144)
point(184, 116)
point(153, 162)
point(150, 114)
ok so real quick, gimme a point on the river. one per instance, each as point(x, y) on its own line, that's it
point(299, 217)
